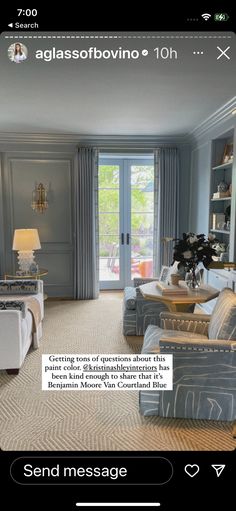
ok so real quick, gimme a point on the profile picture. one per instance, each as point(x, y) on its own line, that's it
point(17, 53)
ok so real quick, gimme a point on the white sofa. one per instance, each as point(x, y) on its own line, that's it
point(16, 322)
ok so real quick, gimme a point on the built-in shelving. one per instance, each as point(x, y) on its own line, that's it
point(223, 166)
point(222, 209)
point(222, 215)
point(221, 231)
point(223, 198)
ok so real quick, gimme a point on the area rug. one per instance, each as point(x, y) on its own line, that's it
point(32, 419)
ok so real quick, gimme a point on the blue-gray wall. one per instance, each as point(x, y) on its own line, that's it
point(200, 188)
point(22, 169)
point(25, 163)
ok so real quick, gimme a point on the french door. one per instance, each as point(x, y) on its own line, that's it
point(126, 219)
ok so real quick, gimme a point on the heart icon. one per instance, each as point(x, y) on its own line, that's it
point(191, 470)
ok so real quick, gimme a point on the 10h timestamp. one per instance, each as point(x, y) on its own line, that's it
point(166, 53)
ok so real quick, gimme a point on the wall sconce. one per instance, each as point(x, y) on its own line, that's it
point(39, 199)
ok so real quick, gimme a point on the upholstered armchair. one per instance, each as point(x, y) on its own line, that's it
point(138, 312)
point(204, 363)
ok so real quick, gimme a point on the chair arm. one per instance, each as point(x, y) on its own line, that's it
point(187, 322)
point(213, 345)
point(130, 298)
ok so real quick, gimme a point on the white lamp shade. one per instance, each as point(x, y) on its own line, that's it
point(26, 239)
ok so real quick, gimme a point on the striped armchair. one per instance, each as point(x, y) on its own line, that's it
point(139, 313)
point(204, 363)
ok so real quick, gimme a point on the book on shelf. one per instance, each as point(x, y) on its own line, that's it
point(220, 195)
point(218, 219)
point(171, 290)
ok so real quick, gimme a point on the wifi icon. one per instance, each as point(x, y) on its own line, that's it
point(206, 16)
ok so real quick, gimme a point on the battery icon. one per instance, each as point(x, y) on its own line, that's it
point(221, 16)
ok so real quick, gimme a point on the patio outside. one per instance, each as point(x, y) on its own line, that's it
point(141, 234)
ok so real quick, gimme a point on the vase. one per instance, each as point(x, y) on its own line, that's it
point(222, 187)
point(193, 278)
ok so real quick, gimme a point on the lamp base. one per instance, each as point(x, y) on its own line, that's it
point(25, 259)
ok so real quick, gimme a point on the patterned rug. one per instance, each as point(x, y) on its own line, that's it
point(31, 419)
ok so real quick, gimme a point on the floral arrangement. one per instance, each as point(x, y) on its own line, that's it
point(193, 249)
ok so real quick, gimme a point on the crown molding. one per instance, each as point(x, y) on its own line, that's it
point(37, 138)
point(135, 141)
point(221, 115)
point(132, 141)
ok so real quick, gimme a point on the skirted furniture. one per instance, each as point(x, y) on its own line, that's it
point(138, 312)
point(21, 315)
point(204, 363)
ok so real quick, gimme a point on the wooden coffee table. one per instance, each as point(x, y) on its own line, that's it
point(179, 303)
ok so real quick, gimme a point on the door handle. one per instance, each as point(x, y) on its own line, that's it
point(122, 238)
point(127, 238)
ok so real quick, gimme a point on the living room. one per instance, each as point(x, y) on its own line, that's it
point(109, 162)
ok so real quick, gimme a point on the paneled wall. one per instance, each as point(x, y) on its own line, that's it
point(21, 172)
point(34, 159)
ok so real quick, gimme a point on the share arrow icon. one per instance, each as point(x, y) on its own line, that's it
point(219, 469)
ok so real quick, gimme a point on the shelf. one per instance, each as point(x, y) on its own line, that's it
point(223, 198)
point(221, 204)
point(220, 231)
point(223, 166)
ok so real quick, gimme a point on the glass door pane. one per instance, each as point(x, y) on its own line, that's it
point(126, 218)
point(142, 220)
point(109, 224)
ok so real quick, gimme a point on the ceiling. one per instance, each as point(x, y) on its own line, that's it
point(145, 96)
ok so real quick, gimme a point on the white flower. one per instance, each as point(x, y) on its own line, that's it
point(211, 237)
point(200, 248)
point(187, 254)
point(219, 247)
point(192, 239)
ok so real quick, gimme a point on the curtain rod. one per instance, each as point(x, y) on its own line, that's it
point(127, 148)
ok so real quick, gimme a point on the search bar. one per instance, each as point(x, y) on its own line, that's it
point(117, 504)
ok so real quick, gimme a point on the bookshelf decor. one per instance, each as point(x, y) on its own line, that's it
point(222, 194)
point(228, 154)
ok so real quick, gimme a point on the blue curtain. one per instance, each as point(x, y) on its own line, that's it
point(86, 211)
point(166, 209)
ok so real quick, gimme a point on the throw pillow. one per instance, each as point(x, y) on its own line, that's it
point(16, 287)
point(13, 305)
point(223, 319)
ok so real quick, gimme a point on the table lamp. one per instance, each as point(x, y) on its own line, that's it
point(26, 241)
